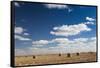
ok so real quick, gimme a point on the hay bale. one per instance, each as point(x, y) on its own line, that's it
point(59, 54)
point(34, 57)
point(68, 55)
point(77, 54)
point(25, 56)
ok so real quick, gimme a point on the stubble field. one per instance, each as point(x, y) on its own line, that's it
point(55, 58)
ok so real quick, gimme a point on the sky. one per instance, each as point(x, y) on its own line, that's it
point(42, 28)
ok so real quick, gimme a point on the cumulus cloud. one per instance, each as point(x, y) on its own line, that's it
point(18, 37)
point(65, 42)
point(19, 30)
point(26, 33)
point(90, 19)
point(93, 38)
point(40, 43)
point(16, 4)
point(69, 30)
point(63, 45)
point(92, 23)
point(77, 45)
point(20, 34)
point(51, 6)
point(58, 6)
point(60, 40)
point(81, 39)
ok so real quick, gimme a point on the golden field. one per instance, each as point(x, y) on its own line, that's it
point(55, 58)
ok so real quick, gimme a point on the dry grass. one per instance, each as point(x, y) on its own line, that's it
point(55, 59)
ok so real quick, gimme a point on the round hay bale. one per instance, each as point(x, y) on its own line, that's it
point(34, 57)
point(77, 54)
point(68, 55)
point(59, 54)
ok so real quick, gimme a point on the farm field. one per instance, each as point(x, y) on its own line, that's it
point(55, 58)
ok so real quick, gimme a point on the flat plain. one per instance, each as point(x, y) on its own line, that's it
point(55, 59)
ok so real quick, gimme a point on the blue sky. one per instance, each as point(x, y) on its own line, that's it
point(41, 26)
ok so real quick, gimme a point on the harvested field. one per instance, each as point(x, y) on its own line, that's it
point(55, 59)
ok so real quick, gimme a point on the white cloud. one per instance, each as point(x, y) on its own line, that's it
point(77, 45)
point(60, 40)
point(58, 6)
point(26, 33)
point(19, 30)
point(70, 10)
point(16, 4)
point(64, 42)
point(93, 38)
point(71, 46)
point(51, 6)
point(90, 19)
point(63, 45)
point(20, 34)
point(69, 30)
point(40, 43)
point(81, 39)
point(92, 23)
point(18, 37)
